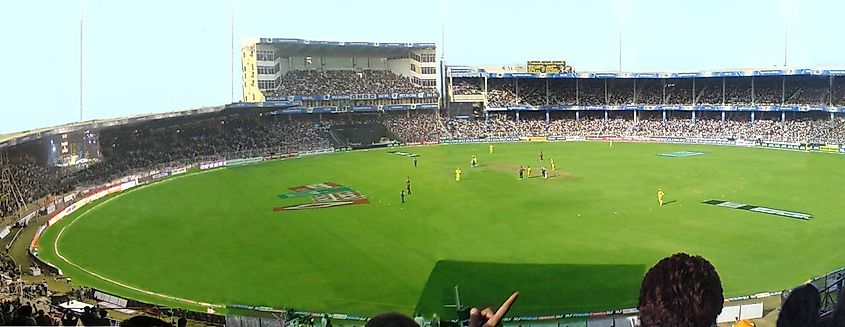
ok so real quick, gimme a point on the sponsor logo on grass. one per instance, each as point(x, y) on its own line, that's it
point(320, 205)
point(748, 207)
point(404, 154)
point(313, 192)
point(680, 154)
point(323, 195)
point(318, 186)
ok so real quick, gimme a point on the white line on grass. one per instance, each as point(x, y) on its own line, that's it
point(104, 278)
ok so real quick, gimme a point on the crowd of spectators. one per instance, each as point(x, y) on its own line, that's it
point(320, 82)
point(34, 290)
point(705, 91)
point(415, 127)
point(797, 130)
point(463, 86)
point(28, 177)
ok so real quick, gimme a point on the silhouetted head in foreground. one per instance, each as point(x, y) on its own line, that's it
point(801, 307)
point(681, 290)
point(391, 319)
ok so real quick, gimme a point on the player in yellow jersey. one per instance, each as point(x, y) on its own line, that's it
point(458, 174)
point(552, 161)
point(660, 196)
point(611, 144)
point(528, 171)
point(491, 148)
point(474, 162)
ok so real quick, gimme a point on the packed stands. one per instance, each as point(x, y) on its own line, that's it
point(814, 130)
point(799, 91)
point(464, 86)
point(313, 82)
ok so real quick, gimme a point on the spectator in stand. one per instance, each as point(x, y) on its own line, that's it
point(69, 318)
point(391, 319)
point(331, 82)
point(681, 290)
point(487, 318)
point(89, 317)
point(42, 319)
point(23, 316)
point(466, 86)
point(801, 307)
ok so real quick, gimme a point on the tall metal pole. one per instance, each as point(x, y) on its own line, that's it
point(620, 49)
point(81, 20)
point(232, 50)
point(443, 101)
point(785, 40)
point(443, 31)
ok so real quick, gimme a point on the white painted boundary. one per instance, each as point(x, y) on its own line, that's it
point(115, 282)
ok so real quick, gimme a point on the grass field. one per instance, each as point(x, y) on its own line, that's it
point(580, 240)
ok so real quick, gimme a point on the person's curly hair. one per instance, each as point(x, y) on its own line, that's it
point(681, 290)
point(391, 319)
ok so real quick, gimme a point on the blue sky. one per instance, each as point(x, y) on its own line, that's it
point(156, 56)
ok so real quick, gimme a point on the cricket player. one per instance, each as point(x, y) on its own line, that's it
point(528, 171)
point(474, 162)
point(403, 196)
point(521, 171)
point(541, 155)
point(491, 148)
point(458, 174)
point(552, 161)
point(415, 162)
point(660, 196)
point(408, 185)
point(611, 144)
point(543, 172)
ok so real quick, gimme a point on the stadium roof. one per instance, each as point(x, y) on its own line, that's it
point(521, 72)
point(8, 140)
point(308, 47)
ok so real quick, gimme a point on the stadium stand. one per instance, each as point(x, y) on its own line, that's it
point(307, 82)
point(463, 86)
point(787, 90)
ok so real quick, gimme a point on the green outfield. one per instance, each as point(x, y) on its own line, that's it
point(580, 240)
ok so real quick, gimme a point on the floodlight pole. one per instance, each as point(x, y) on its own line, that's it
point(81, 20)
point(232, 50)
point(443, 101)
point(785, 40)
point(620, 49)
